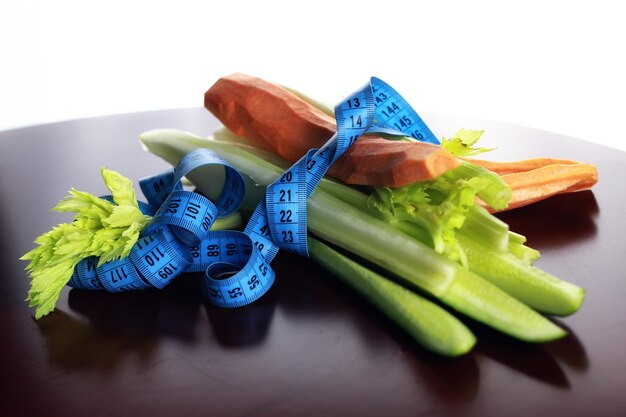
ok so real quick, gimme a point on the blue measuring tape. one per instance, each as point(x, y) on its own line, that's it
point(236, 264)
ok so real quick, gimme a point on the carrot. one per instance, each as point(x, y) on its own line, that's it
point(276, 120)
point(555, 178)
point(504, 168)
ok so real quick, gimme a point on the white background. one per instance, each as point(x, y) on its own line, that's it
point(553, 65)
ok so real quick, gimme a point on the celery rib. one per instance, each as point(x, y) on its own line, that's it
point(483, 301)
point(430, 325)
point(497, 193)
point(533, 286)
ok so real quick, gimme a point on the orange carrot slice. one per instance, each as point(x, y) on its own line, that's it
point(505, 168)
point(537, 184)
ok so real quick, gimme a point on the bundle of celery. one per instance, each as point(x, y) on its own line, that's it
point(427, 241)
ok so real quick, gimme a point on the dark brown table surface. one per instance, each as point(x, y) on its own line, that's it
point(310, 347)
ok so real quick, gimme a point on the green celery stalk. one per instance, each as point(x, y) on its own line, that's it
point(430, 325)
point(533, 286)
point(378, 242)
point(468, 295)
point(524, 253)
point(497, 194)
point(518, 248)
point(488, 229)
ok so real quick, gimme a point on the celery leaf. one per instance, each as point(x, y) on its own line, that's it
point(439, 207)
point(463, 141)
point(99, 228)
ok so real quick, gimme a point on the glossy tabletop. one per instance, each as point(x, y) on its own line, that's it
point(311, 346)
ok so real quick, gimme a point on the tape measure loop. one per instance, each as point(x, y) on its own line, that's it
point(251, 273)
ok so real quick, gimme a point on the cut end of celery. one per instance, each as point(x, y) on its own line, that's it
point(171, 144)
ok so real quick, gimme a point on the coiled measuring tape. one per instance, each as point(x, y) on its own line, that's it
point(236, 264)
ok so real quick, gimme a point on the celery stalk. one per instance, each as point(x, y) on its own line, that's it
point(531, 285)
point(497, 194)
point(524, 253)
point(483, 301)
point(430, 325)
point(489, 230)
point(518, 248)
point(378, 242)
